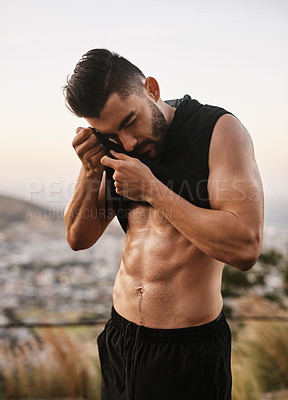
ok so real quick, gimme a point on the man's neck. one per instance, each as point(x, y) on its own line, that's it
point(167, 110)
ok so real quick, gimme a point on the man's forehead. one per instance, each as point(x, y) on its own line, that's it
point(114, 111)
point(116, 105)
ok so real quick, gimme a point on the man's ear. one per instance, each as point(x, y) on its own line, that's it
point(152, 88)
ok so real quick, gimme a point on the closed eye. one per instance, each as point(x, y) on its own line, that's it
point(113, 138)
point(131, 123)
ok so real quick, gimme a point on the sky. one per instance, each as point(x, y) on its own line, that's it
point(227, 53)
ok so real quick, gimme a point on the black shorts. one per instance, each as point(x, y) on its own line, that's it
point(140, 363)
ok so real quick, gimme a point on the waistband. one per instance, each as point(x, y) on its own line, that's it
point(197, 333)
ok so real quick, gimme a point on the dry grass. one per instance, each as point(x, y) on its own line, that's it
point(59, 366)
point(245, 386)
point(260, 360)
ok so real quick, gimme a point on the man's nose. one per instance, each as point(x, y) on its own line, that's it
point(128, 141)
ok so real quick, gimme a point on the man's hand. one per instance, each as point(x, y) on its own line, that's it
point(133, 179)
point(89, 150)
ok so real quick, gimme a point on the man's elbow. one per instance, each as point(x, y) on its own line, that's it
point(249, 256)
point(246, 263)
point(76, 243)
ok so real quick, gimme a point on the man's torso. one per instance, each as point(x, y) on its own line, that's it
point(164, 281)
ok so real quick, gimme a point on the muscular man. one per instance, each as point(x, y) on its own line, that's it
point(167, 337)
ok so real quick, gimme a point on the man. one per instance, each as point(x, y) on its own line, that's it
point(193, 201)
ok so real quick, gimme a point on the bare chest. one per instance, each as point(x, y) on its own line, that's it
point(142, 217)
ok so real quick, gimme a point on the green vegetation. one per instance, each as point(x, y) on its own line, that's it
point(271, 257)
point(271, 266)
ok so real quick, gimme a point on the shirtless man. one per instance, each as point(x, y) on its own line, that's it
point(167, 337)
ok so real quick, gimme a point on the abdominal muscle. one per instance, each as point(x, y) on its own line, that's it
point(164, 281)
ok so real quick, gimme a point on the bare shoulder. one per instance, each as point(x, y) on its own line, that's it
point(230, 142)
point(234, 182)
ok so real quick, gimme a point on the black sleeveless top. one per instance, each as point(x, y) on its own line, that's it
point(183, 164)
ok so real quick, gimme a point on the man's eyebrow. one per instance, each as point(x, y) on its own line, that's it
point(126, 119)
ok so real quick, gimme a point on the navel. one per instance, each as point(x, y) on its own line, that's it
point(140, 297)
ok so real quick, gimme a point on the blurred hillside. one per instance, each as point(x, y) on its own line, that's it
point(14, 210)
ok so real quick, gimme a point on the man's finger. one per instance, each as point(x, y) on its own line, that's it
point(120, 156)
point(109, 162)
point(81, 135)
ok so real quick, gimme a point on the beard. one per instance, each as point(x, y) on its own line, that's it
point(158, 130)
point(159, 124)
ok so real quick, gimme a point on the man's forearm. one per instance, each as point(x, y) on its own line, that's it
point(219, 234)
point(83, 217)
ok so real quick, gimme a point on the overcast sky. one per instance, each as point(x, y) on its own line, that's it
point(227, 53)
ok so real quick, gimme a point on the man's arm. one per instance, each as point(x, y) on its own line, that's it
point(84, 215)
point(232, 231)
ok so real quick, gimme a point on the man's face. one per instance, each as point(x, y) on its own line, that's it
point(136, 123)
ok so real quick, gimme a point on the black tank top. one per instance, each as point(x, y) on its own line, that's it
point(183, 165)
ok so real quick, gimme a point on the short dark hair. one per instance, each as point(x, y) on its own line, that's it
point(97, 75)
